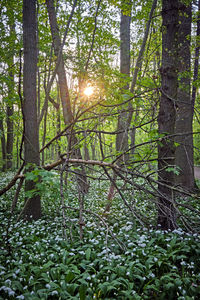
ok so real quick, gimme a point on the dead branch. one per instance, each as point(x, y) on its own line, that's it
point(12, 182)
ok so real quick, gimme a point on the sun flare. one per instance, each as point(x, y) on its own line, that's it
point(88, 91)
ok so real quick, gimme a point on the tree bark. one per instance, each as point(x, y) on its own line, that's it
point(167, 113)
point(9, 106)
point(62, 80)
point(123, 123)
point(3, 145)
point(196, 62)
point(122, 137)
point(184, 151)
point(10, 137)
point(31, 136)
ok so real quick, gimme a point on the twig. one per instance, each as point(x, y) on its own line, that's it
point(120, 243)
point(14, 203)
point(12, 182)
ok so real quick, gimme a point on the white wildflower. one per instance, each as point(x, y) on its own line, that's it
point(8, 281)
point(20, 297)
point(54, 293)
point(155, 259)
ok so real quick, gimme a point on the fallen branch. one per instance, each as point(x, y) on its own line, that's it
point(81, 161)
point(12, 182)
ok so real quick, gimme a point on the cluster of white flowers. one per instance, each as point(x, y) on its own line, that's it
point(7, 290)
point(94, 241)
point(178, 231)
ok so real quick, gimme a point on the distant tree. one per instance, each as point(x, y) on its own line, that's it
point(3, 144)
point(125, 117)
point(167, 114)
point(64, 92)
point(8, 42)
point(10, 102)
point(122, 137)
point(31, 138)
point(122, 122)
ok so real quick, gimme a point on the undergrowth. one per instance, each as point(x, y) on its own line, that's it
point(117, 258)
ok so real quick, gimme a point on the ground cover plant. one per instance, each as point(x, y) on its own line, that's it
point(117, 258)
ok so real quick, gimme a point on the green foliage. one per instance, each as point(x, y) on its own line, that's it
point(175, 170)
point(42, 265)
point(44, 180)
point(36, 262)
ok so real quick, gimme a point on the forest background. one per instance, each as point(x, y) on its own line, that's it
point(99, 126)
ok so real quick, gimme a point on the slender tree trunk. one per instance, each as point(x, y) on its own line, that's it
point(44, 133)
point(86, 150)
point(124, 69)
point(93, 149)
point(17, 138)
point(32, 207)
point(124, 119)
point(138, 66)
point(62, 80)
point(184, 152)
point(167, 114)
point(64, 94)
point(123, 123)
point(122, 137)
point(10, 136)
point(9, 108)
point(58, 123)
point(3, 145)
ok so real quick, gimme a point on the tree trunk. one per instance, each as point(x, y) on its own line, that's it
point(10, 136)
point(196, 68)
point(62, 80)
point(58, 122)
point(124, 119)
point(196, 62)
point(64, 94)
point(184, 152)
point(9, 107)
point(167, 114)
point(32, 207)
point(137, 68)
point(86, 150)
point(44, 133)
point(123, 123)
point(122, 137)
point(3, 145)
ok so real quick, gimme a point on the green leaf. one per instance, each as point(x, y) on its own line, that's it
point(88, 253)
point(48, 264)
point(70, 276)
point(120, 270)
point(82, 291)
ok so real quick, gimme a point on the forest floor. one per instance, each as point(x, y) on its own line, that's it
point(117, 258)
